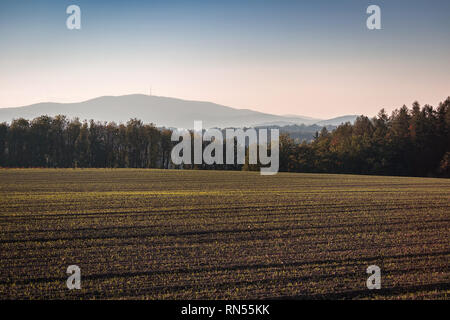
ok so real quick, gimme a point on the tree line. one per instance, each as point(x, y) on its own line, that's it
point(409, 142)
point(56, 142)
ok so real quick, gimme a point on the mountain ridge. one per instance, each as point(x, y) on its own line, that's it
point(162, 111)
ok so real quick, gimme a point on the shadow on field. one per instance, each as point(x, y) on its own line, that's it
point(365, 294)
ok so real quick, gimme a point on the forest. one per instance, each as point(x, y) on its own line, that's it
point(410, 142)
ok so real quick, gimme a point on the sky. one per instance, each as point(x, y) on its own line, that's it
point(311, 58)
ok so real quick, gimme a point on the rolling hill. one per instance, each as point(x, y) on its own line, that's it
point(162, 111)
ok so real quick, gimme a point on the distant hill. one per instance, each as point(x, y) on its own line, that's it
point(337, 121)
point(162, 111)
point(299, 132)
point(292, 116)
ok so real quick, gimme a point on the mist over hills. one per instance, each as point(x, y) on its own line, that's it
point(162, 111)
point(337, 121)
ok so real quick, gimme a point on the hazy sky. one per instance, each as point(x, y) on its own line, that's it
point(314, 58)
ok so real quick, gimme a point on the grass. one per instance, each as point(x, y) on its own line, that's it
point(164, 234)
